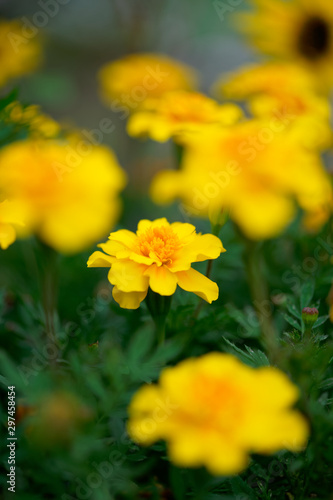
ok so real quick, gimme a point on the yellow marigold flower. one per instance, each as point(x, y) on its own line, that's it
point(128, 82)
point(214, 410)
point(8, 219)
point(178, 112)
point(297, 31)
point(266, 78)
point(284, 92)
point(158, 256)
point(255, 169)
point(67, 191)
point(40, 125)
point(19, 55)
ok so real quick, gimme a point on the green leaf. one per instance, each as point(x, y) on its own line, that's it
point(307, 294)
point(239, 486)
point(320, 321)
point(292, 321)
point(252, 357)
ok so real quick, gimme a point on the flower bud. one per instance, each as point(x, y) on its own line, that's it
point(309, 316)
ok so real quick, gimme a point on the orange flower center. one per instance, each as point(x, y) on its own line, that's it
point(159, 242)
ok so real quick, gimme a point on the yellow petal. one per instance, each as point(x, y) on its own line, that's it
point(7, 235)
point(206, 246)
point(193, 281)
point(127, 238)
point(269, 432)
point(115, 248)
point(99, 259)
point(128, 276)
point(285, 392)
point(130, 300)
point(161, 280)
point(184, 231)
point(226, 458)
point(145, 224)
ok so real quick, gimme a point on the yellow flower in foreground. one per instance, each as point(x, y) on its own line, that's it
point(66, 191)
point(18, 55)
point(178, 112)
point(297, 31)
point(129, 81)
point(8, 219)
point(158, 256)
point(284, 92)
point(256, 170)
point(214, 411)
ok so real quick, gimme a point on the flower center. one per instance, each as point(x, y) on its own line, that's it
point(159, 242)
point(314, 38)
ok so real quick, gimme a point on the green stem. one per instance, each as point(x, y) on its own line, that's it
point(178, 153)
point(48, 286)
point(159, 306)
point(260, 296)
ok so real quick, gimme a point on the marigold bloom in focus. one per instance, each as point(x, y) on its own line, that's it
point(158, 256)
point(8, 220)
point(18, 55)
point(178, 112)
point(66, 191)
point(214, 411)
point(128, 82)
point(297, 31)
point(283, 92)
point(254, 169)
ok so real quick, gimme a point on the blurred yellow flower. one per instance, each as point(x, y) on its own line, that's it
point(18, 55)
point(158, 256)
point(265, 78)
point(255, 169)
point(298, 31)
point(177, 112)
point(56, 418)
point(285, 92)
point(128, 82)
point(40, 125)
point(214, 410)
point(8, 219)
point(66, 191)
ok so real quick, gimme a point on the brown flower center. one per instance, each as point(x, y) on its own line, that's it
point(314, 38)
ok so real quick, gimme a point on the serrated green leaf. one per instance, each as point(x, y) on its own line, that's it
point(292, 321)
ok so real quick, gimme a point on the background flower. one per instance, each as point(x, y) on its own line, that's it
point(66, 191)
point(129, 81)
point(180, 112)
point(299, 31)
point(19, 55)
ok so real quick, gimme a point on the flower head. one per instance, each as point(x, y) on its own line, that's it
point(284, 93)
point(214, 411)
point(129, 81)
point(178, 112)
point(298, 31)
point(255, 169)
point(66, 191)
point(18, 54)
point(158, 256)
point(8, 220)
